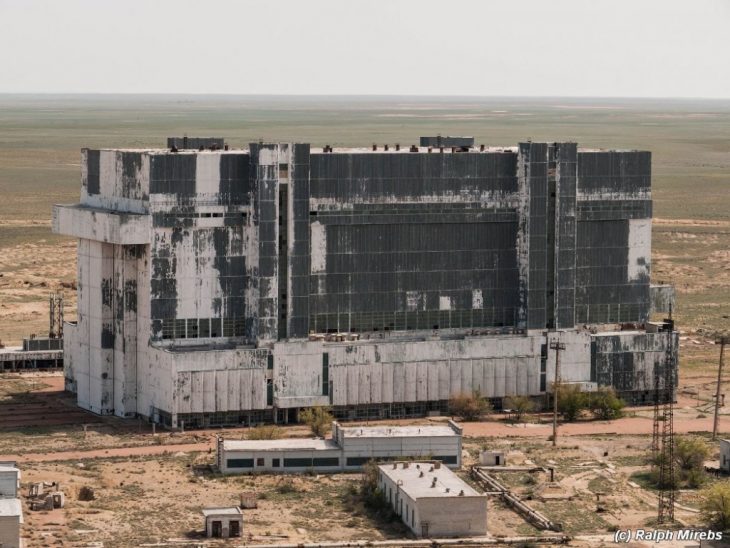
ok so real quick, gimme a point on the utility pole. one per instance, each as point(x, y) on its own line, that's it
point(557, 346)
point(722, 341)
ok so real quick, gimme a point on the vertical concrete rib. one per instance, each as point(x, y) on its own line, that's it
point(265, 171)
point(298, 243)
point(532, 187)
point(566, 162)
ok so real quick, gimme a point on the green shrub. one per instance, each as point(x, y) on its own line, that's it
point(319, 420)
point(715, 505)
point(571, 401)
point(605, 404)
point(519, 405)
point(469, 407)
point(265, 432)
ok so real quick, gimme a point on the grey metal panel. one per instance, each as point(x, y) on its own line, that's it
point(172, 174)
point(604, 293)
point(448, 141)
point(92, 169)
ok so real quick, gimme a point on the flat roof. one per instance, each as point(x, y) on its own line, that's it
point(226, 511)
point(418, 486)
point(10, 507)
point(291, 444)
point(4, 469)
point(404, 149)
point(397, 431)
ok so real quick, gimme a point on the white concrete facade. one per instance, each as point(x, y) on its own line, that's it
point(223, 522)
point(348, 450)
point(11, 518)
point(432, 501)
point(9, 481)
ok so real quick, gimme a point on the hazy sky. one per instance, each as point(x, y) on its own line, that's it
point(636, 48)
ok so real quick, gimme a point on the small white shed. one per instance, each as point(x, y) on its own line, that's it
point(11, 517)
point(9, 481)
point(223, 522)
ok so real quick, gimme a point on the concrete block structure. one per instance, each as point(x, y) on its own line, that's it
point(11, 518)
point(223, 522)
point(433, 501)
point(11, 510)
point(9, 480)
point(228, 286)
point(348, 450)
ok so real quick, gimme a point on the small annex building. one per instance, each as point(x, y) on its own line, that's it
point(223, 522)
point(432, 500)
point(11, 518)
point(348, 449)
point(9, 479)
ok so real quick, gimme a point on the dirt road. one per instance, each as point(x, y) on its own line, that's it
point(148, 450)
point(498, 429)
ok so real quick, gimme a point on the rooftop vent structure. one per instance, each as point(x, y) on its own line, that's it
point(195, 143)
point(440, 141)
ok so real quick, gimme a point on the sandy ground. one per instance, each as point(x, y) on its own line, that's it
point(29, 272)
point(150, 491)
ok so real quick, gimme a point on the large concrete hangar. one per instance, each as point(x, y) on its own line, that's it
point(220, 286)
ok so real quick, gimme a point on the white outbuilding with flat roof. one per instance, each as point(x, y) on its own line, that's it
point(432, 500)
point(9, 480)
point(348, 450)
point(223, 522)
point(11, 518)
point(289, 455)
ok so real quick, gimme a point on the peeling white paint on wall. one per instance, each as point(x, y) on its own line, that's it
point(477, 299)
point(318, 247)
point(207, 173)
point(415, 300)
point(639, 248)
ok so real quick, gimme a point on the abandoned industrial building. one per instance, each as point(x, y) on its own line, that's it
point(226, 286)
point(432, 500)
point(348, 450)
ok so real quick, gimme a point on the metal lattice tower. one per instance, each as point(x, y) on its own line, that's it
point(657, 400)
point(55, 319)
point(667, 485)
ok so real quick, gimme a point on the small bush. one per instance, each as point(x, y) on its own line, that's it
point(519, 405)
point(86, 493)
point(605, 404)
point(319, 420)
point(265, 432)
point(571, 401)
point(286, 486)
point(715, 505)
point(469, 407)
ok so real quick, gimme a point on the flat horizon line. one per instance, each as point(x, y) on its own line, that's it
point(354, 95)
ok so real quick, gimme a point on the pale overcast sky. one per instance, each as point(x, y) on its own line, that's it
point(634, 48)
